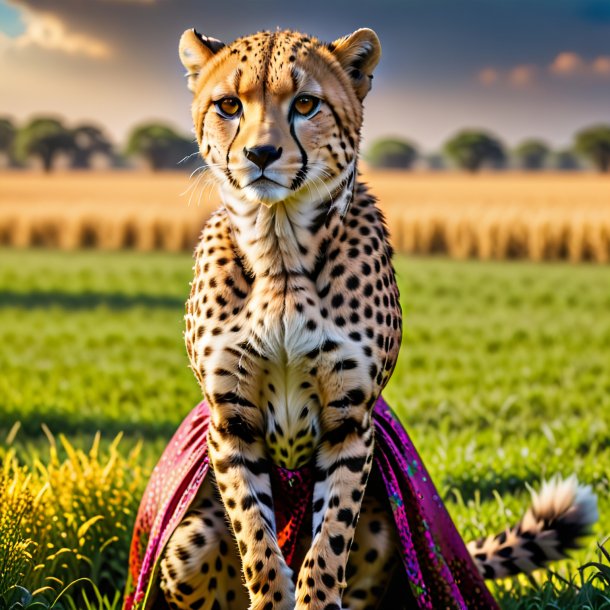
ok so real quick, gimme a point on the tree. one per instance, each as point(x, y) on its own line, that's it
point(532, 154)
point(391, 153)
point(43, 137)
point(565, 160)
point(471, 150)
point(594, 144)
point(435, 161)
point(160, 145)
point(88, 141)
point(7, 136)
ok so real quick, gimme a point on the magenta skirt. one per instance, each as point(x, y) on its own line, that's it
point(438, 572)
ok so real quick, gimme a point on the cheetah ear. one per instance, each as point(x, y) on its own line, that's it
point(359, 53)
point(195, 50)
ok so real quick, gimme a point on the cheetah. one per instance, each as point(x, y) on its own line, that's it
point(293, 328)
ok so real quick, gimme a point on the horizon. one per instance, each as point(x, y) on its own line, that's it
point(119, 141)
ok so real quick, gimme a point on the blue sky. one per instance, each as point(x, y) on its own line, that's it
point(10, 19)
point(515, 67)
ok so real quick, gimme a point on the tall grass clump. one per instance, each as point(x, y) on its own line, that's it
point(67, 516)
point(16, 504)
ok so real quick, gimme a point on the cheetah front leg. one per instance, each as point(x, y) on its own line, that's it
point(343, 464)
point(238, 457)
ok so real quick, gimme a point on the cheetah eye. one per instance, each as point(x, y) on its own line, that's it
point(228, 107)
point(306, 105)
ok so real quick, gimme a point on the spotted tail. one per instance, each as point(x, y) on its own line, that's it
point(560, 514)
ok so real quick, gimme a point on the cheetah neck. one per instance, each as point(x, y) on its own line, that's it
point(285, 238)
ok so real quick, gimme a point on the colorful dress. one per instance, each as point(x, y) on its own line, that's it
point(438, 571)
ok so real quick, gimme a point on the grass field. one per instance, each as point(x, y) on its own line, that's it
point(536, 216)
point(503, 376)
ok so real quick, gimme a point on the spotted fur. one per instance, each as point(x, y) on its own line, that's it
point(293, 325)
point(561, 513)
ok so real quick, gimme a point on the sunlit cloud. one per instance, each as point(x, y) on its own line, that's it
point(567, 63)
point(601, 65)
point(49, 32)
point(522, 76)
point(488, 76)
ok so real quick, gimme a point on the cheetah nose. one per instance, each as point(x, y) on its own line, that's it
point(262, 156)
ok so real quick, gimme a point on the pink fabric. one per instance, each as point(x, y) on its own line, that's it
point(438, 570)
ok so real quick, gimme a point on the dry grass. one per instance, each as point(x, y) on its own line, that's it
point(513, 215)
point(509, 215)
point(100, 210)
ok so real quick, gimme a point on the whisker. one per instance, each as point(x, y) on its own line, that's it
point(201, 170)
point(193, 183)
point(318, 179)
point(198, 169)
point(194, 188)
point(209, 185)
point(188, 157)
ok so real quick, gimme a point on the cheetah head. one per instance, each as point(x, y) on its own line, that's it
point(278, 114)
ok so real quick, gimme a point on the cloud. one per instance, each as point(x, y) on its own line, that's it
point(567, 63)
point(523, 75)
point(488, 76)
point(601, 65)
point(520, 76)
point(570, 64)
point(47, 31)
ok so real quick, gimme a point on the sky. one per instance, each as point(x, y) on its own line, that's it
point(518, 68)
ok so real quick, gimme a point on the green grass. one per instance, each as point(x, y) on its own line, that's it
point(503, 378)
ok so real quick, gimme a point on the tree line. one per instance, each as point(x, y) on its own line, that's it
point(45, 139)
point(472, 150)
point(160, 146)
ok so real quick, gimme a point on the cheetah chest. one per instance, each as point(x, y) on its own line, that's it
point(289, 388)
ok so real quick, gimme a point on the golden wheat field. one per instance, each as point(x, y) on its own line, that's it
point(543, 216)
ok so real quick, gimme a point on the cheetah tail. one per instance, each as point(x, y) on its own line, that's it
point(559, 515)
